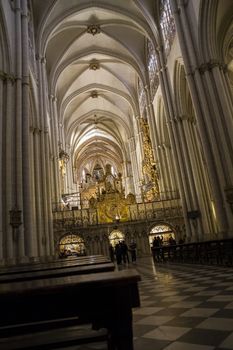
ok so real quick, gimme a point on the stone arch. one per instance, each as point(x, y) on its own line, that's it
point(197, 178)
point(215, 20)
point(168, 179)
point(182, 95)
point(5, 56)
point(145, 25)
point(72, 244)
point(33, 102)
point(227, 56)
point(115, 236)
point(207, 32)
point(164, 230)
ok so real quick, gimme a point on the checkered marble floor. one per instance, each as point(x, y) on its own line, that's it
point(183, 307)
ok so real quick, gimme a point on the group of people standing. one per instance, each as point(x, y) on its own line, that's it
point(120, 252)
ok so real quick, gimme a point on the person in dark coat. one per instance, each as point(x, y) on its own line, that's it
point(118, 253)
point(111, 252)
point(132, 250)
point(124, 250)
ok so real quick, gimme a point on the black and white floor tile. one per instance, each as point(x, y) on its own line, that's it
point(183, 307)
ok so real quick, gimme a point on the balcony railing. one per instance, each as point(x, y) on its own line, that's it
point(66, 217)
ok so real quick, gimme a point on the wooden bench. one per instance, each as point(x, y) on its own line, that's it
point(68, 329)
point(103, 299)
point(68, 271)
point(28, 268)
point(53, 338)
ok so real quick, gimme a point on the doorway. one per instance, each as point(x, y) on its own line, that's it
point(116, 236)
point(163, 231)
point(72, 245)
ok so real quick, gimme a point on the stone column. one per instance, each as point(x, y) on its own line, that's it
point(223, 148)
point(171, 123)
point(29, 229)
point(200, 177)
point(47, 164)
point(202, 108)
point(11, 239)
point(140, 141)
point(172, 171)
point(17, 137)
point(51, 112)
point(38, 191)
point(69, 175)
point(56, 150)
point(43, 153)
point(55, 153)
point(226, 110)
point(1, 164)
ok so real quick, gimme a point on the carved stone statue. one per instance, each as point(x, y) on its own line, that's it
point(92, 203)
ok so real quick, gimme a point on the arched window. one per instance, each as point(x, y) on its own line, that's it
point(141, 96)
point(72, 245)
point(98, 172)
point(167, 24)
point(152, 66)
point(163, 231)
point(116, 236)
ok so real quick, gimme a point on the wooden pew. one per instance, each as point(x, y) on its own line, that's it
point(103, 299)
point(60, 264)
point(58, 272)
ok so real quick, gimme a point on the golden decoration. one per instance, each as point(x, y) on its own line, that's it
point(149, 167)
point(112, 208)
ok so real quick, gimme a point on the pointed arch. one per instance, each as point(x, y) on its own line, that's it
point(5, 56)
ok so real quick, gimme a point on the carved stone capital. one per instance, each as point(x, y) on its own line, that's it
point(94, 94)
point(94, 65)
point(93, 29)
point(40, 58)
point(37, 130)
point(7, 77)
point(208, 66)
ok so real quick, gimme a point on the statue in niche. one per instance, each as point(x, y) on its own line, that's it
point(93, 218)
point(109, 184)
point(109, 187)
point(131, 198)
point(88, 178)
point(98, 172)
point(92, 202)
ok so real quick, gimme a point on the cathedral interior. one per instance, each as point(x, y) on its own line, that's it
point(116, 124)
point(116, 121)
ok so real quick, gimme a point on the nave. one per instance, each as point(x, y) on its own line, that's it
point(183, 307)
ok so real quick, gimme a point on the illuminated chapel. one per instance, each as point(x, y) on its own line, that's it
point(116, 123)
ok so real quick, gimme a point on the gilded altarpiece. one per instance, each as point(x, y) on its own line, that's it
point(133, 211)
point(149, 167)
point(112, 207)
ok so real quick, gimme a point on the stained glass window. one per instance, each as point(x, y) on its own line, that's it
point(141, 96)
point(167, 24)
point(152, 66)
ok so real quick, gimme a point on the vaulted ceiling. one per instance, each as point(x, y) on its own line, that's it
point(95, 54)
